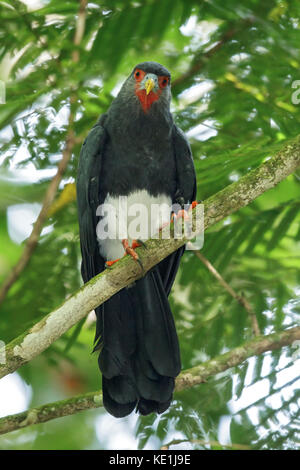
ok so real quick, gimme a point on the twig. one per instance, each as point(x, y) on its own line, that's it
point(236, 356)
point(205, 444)
point(200, 62)
point(229, 289)
point(32, 241)
point(79, 31)
point(104, 285)
point(54, 410)
point(188, 378)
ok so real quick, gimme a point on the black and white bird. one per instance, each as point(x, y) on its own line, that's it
point(135, 151)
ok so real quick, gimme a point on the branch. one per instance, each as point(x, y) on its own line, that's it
point(239, 298)
point(33, 238)
point(236, 356)
point(204, 443)
point(32, 241)
point(200, 61)
point(104, 285)
point(186, 379)
point(51, 411)
point(201, 58)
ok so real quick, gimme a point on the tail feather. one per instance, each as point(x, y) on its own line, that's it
point(146, 407)
point(158, 327)
point(118, 335)
point(114, 407)
point(121, 389)
point(139, 356)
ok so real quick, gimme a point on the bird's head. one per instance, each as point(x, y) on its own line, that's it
point(150, 82)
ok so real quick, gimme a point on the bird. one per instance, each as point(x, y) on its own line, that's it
point(135, 152)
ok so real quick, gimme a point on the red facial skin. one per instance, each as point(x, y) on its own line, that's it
point(147, 100)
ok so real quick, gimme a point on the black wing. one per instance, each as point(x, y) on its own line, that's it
point(87, 187)
point(186, 175)
point(185, 194)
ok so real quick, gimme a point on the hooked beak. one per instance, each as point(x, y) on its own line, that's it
point(149, 85)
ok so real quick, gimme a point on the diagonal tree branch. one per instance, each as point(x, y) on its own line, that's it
point(200, 60)
point(102, 287)
point(33, 238)
point(239, 298)
point(186, 379)
point(32, 241)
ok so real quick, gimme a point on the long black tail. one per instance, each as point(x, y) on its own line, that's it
point(139, 352)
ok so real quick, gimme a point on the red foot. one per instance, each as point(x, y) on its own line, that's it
point(166, 224)
point(182, 214)
point(135, 244)
point(110, 263)
point(129, 250)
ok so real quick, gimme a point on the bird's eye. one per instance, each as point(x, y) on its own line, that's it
point(137, 74)
point(164, 82)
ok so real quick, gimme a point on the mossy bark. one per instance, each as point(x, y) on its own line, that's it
point(126, 271)
point(189, 378)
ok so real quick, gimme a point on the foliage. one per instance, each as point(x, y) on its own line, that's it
point(233, 65)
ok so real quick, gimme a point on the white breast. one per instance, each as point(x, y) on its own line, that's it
point(137, 216)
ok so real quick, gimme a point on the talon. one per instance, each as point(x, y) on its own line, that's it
point(108, 264)
point(182, 214)
point(137, 243)
point(129, 250)
point(194, 204)
point(166, 224)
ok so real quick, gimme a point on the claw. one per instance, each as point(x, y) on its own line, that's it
point(136, 243)
point(108, 264)
point(130, 250)
point(165, 224)
point(182, 214)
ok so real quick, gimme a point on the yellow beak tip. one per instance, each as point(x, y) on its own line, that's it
point(149, 85)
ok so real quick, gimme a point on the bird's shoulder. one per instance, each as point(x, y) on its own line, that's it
point(180, 138)
point(94, 140)
point(89, 167)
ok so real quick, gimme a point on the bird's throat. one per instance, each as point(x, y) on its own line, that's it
point(147, 100)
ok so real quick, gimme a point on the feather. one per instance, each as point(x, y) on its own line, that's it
point(143, 155)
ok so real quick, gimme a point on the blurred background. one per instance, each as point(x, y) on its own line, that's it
point(234, 66)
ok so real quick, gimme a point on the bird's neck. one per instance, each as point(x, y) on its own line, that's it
point(146, 101)
point(130, 120)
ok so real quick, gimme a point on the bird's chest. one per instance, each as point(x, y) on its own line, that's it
point(136, 216)
point(137, 184)
point(136, 162)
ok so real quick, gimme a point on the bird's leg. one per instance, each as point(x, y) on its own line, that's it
point(185, 214)
point(130, 250)
point(181, 214)
point(194, 204)
point(165, 224)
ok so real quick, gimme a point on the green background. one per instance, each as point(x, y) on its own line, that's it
point(233, 66)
